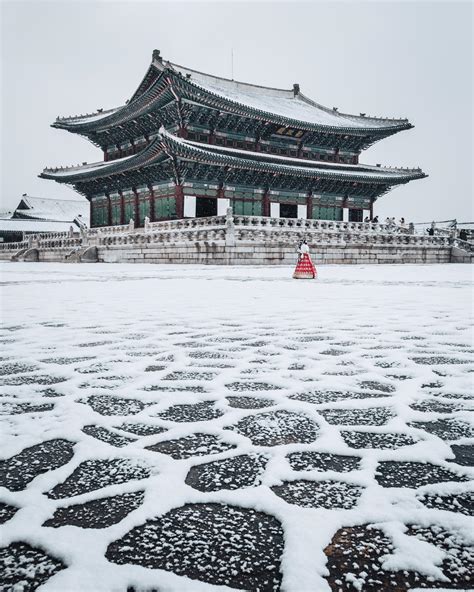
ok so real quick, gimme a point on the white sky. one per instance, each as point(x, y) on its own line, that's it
point(397, 59)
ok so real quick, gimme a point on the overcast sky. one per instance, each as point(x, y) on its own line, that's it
point(397, 59)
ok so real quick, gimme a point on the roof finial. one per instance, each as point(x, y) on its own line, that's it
point(155, 56)
point(296, 89)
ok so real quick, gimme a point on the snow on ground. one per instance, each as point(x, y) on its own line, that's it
point(205, 428)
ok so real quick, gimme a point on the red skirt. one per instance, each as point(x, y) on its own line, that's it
point(304, 268)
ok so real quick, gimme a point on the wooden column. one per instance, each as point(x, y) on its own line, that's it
point(122, 208)
point(266, 203)
point(109, 210)
point(309, 205)
point(179, 195)
point(135, 209)
point(152, 203)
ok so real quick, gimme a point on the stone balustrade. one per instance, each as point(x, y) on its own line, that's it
point(462, 244)
point(233, 232)
point(58, 242)
point(14, 246)
point(187, 223)
point(108, 230)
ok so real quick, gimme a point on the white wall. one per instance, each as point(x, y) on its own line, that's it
point(222, 204)
point(189, 206)
point(302, 211)
point(274, 210)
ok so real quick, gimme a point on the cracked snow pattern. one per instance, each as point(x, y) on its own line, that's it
point(170, 444)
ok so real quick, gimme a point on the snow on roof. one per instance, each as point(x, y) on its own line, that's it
point(289, 104)
point(58, 210)
point(280, 102)
point(302, 163)
point(294, 165)
point(85, 168)
point(89, 117)
point(28, 226)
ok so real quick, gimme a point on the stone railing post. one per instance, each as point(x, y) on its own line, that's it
point(131, 225)
point(229, 229)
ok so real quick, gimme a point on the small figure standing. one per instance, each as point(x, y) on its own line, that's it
point(376, 220)
point(402, 222)
point(305, 269)
point(366, 219)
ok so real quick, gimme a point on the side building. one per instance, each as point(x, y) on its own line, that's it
point(189, 144)
point(40, 215)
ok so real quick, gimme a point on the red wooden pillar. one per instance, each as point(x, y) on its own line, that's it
point(179, 195)
point(266, 203)
point(109, 210)
point(91, 214)
point(371, 209)
point(122, 208)
point(135, 209)
point(309, 205)
point(152, 203)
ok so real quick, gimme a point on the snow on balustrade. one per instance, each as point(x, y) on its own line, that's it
point(257, 229)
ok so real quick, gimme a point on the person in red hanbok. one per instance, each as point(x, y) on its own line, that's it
point(305, 270)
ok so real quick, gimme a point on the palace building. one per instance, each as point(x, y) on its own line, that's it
point(188, 144)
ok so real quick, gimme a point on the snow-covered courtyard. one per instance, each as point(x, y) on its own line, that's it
point(191, 428)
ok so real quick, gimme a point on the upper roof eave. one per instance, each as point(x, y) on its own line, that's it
point(258, 97)
point(377, 123)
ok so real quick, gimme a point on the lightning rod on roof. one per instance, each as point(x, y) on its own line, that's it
point(232, 63)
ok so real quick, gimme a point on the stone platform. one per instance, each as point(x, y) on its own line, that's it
point(237, 240)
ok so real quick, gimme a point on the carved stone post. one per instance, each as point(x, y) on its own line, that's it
point(230, 229)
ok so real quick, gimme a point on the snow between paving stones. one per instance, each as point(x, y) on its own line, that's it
point(135, 317)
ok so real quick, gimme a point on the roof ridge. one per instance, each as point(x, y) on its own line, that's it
point(52, 198)
point(285, 90)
